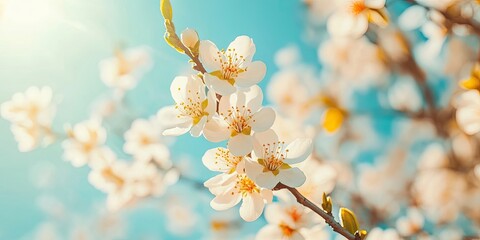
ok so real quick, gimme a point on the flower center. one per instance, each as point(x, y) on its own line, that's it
point(238, 119)
point(225, 156)
point(192, 107)
point(111, 176)
point(245, 185)
point(294, 214)
point(230, 63)
point(357, 7)
point(273, 157)
point(286, 230)
point(124, 67)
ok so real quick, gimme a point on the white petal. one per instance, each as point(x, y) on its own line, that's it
point(215, 161)
point(198, 128)
point(293, 177)
point(216, 130)
point(245, 47)
point(240, 145)
point(267, 180)
point(252, 207)
point(208, 52)
point(254, 98)
point(252, 168)
point(178, 88)
point(299, 150)
point(270, 232)
point(375, 4)
point(263, 119)
point(346, 25)
point(261, 138)
point(412, 18)
point(253, 74)
point(221, 87)
point(178, 130)
point(226, 201)
point(469, 119)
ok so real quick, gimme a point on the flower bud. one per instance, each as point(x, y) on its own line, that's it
point(189, 38)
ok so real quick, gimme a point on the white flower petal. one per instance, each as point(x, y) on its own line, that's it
point(197, 129)
point(293, 177)
point(261, 138)
point(253, 74)
point(412, 18)
point(469, 119)
point(347, 25)
point(299, 150)
point(245, 47)
point(375, 4)
point(240, 145)
point(270, 232)
point(178, 88)
point(216, 130)
point(252, 207)
point(267, 180)
point(226, 201)
point(263, 119)
point(214, 160)
point(221, 87)
point(208, 53)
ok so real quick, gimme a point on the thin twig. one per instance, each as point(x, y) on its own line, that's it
point(329, 219)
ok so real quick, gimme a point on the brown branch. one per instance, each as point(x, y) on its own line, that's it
point(329, 219)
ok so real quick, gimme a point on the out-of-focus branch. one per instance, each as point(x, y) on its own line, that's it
point(329, 219)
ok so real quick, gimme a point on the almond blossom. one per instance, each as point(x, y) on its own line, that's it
point(233, 67)
point(272, 160)
point(468, 111)
point(233, 185)
point(286, 220)
point(84, 140)
point(31, 114)
point(123, 71)
point(380, 234)
point(239, 116)
point(192, 107)
point(351, 19)
point(144, 141)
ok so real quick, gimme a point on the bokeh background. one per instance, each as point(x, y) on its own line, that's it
point(59, 43)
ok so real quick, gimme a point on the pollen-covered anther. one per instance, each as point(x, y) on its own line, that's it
point(245, 185)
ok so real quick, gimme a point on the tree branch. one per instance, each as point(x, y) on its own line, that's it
point(329, 219)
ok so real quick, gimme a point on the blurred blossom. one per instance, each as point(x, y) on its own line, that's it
point(321, 178)
point(380, 234)
point(182, 219)
point(287, 57)
point(31, 114)
point(144, 141)
point(468, 111)
point(410, 224)
point(84, 141)
point(404, 96)
point(126, 68)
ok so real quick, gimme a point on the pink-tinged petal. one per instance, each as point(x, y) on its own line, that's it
point(267, 195)
point(263, 119)
point(299, 150)
point(252, 207)
point(342, 24)
point(267, 180)
point(240, 145)
point(214, 160)
point(243, 46)
point(221, 87)
point(216, 130)
point(375, 4)
point(178, 88)
point(253, 74)
point(209, 55)
point(226, 201)
point(293, 177)
point(197, 129)
point(260, 138)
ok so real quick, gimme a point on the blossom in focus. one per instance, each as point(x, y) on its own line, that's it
point(383, 234)
point(31, 114)
point(84, 140)
point(272, 160)
point(189, 38)
point(126, 68)
point(230, 189)
point(231, 68)
point(192, 107)
point(468, 112)
point(232, 184)
point(144, 141)
point(239, 116)
point(352, 19)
